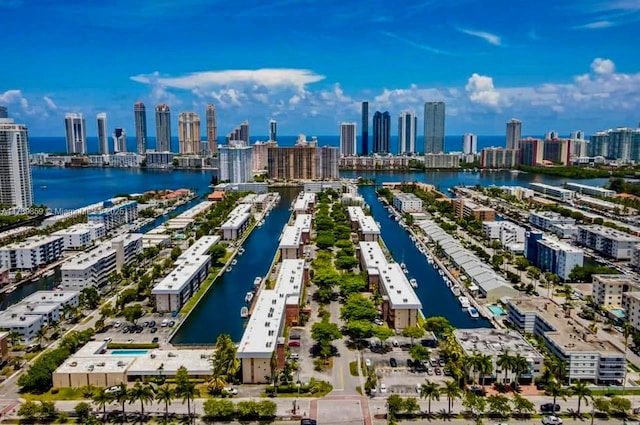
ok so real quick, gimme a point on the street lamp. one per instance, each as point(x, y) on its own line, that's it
point(296, 406)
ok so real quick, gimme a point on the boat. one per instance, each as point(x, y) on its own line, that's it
point(244, 312)
point(464, 302)
point(49, 273)
point(414, 283)
point(229, 269)
point(403, 266)
point(257, 281)
point(473, 312)
point(440, 272)
point(10, 290)
point(429, 259)
point(60, 287)
point(43, 187)
point(234, 262)
point(455, 289)
point(241, 251)
point(248, 297)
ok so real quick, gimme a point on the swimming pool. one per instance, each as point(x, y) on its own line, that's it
point(128, 352)
point(496, 310)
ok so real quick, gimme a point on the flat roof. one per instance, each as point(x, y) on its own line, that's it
point(112, 209)
point(200, 247)
point(175, 281)
point(89, 258)
point(79, 228)
point(303, 221)
point(373, 256)
point(157, 362)
point(614, 279)
point(237, 217)
point(587, 187)
point(291, 237)
point(397, 288)
point(196, 210)
point(261, 335)
point(13, 317)
point(366, 223)
point(555, 244)
point(494, 342)
point(549, 187)
point(290, 278)
point(608, 232)
point(46, 297)
point(303, 201)
point(127, 237)
point(33, 242)
point(566, 333)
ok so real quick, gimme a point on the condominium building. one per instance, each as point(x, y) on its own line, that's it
point(237, 222)
point(364, 150)
point(531, 152)
point(163, 128)
point(16, 186)
point(499, 158)
point(212, 129)
point(586, 356)
point(81, 235)
point(467, 208)
point(273, 130)
point(407, 132)
point(514, 133)
point(172, 292)
point(260, 157)
point(31, 253)
point(622, 144)
point(304, 203)
point(381, 132)
point(494, 343)
point(236, 163)
point(407, 202)
point(609, 242)
point(128, 247)
point(119, 140)
point(112, 216)
point(545, 220)
point(469, 144)
point(240, 134)
point(159, 159)
point(608, 289)
point(89, 269)
point(590, 190)
point(557, 257)
point(504, 231)
point(365, 225)
point(76, 134)
point(140, 118)
point(631, 306)
point(103, 134)
point(441, 160)
point(189, 137)
point(328, 159)
point(557, 151)
point(553, 191)
point(305, 161)
point(348, 138)
point(434, 127)
point(294, 238)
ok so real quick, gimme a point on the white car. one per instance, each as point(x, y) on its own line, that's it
point(378, 322)
point(230, 390)
point(294, 356)
point(112, 390)
point(367, 362)
point(551, 420)
point(419, 389)
point(383, 389)
point(117, 324)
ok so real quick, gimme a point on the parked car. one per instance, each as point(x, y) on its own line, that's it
point(433, 362)
point(155, 340)
point(231, 390)
point(294, 343)
point(438, 371)
point(383, 388)
point(367, 362)
point(112, 390)
point(294, 356)
point(172, 324)
point(393, 362)
point(409, 363)
point(550, 408)
point(378, 322)
point(429, 371)
point(418, 388)
point(294, 336)
point(152, 324)
point(551, 420)
point(153, 330)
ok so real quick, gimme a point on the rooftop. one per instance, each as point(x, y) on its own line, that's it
point(557, 245)
point(608, 232)
point(78, 228)
point(366, 223)
point(89, 258)
point(290, 278)
point(175, 281)
point(33, 242)
point(291, 237)
point(45, 297)
point(263, 329)
point(200, 247)
point(303, 221)
point(397, 288)
point(546, 187)
point(127, 238)
point(237, 217)
point(495, 342)
point(198, 209)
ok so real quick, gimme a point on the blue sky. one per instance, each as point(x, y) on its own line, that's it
point(563, 65)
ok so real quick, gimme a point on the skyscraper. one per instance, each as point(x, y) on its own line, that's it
point(273, 131)
point(365, 129)
point(212, 129)
point(16, 187)
point(240, 134)
point(577, 135)
point(348, 138)
point(236, 163)
point(140, 116)
point(514, 133)
point(189, 133)
point(407, 127)
point(163, 128)
point(434, 127)
point(470, 144)
point(3, 112)
point(103, 138)
point(551, 135)
point(119, 140)
point(76, 133)
point(381, 132)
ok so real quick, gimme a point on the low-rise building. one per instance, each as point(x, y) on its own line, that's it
point(631, 306)
point(89, 269)
point(125, 160)
point(31, 253)
point(607, 241)
point(553, 191)
point(635, 256)
point(545, 220)
point(590, 190)
point(586, 356)
point(291, 245)
point(518, 191)
point(407, 202)
point(365, 225)
point(237, 222)
point(112, 216)
point(81, 235)
point(551, 255)
point(608, 289)
point(172, 292)
point(127, 247)
point(495, 342)
point(467, 208)
point(158, 159)
point(4, 347)
point(305, 203)
point(564, 231)
point(506, 232)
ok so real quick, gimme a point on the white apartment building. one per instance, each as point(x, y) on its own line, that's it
point(506, 232)
point(586, 357)
point(348, 139)
point(31, 253)
point(407, 202)
point(125, 160)
point(608, 289)
point(590, 190)
point(237, 222)
point(89, 269)
point(304, 203)
point(631, 305)
point(545, 220)
point(172, 292)
point(553, 191)
point(365, 225)
point(236, 163)
point(15, 169)
point(518, 191)
point(558, 257)
point(114, 216)
point(609, 242)
point(81, 235)
point(127, 247)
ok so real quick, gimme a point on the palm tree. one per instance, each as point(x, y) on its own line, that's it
point(430, 391)
point(164, 394)
point(188, 392)
point(505, 362)
point(519, 366)
point(555, 370)
point(101, 399)
point(141, 393)
point(485, 366)
point(14, 338)
point(627, 330)
point(555, 390)
point(452, 390)
point(122, 396)
point(581, 390)
point(41, 335)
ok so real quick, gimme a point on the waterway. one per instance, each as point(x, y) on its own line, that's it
point(219, 311)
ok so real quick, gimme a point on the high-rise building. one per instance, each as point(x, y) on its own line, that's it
point(470, 144)
point(3, 112)
point(407, 130)
point(531, 151)
point(236, 165)
point(76, 133)
point(16, 188)
point(381, 132)
point(434, 127)
point(140, 116)
point(189, 133)
point(163, 128)
point(119, 140)
point(514, 133)
point(292, 162)
point(558, 151)
point(103, 136)
point(212, 129)
point(348, 138)
point(273, 131)
point(365, 129)
point(577, 135)
point(551, 135)
point(240, 134)
point(328, 159)
point(261, 155)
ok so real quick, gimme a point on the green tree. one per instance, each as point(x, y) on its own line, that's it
point(499, 405)
point(452, 391)
point(219, 410)
point(47, 410)
point(581, 390)
point(476, 404)
point(383, 333)
point(519, 366)
point(437, 324)
point(505, 362)
point(175, 253)
point(395, 404)
point(29, 411)
point(413, 332)
point(346, 263)
point(267, 409)
point(224, 363)
point(324, 333)
point(141, 393)
point(358, 307)
point(122, 396)
point(602, 405)
point(620, 405)
point(411, 405)
point(359, 329)
point(522, 405)
point(430, 391)
point(133, 312)
point(419, 353)
point(217, 252)
point(164, 394)
point(522, 263)
point(101, 399)
point(555, 390)
point(90, 298)
point(82, 410)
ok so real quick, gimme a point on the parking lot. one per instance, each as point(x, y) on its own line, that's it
point(300, 345)
point(151, 328)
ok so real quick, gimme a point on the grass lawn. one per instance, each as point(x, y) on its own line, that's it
point(353, 368)
point(55, 394)
point(612, 392)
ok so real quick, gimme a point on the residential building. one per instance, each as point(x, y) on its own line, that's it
point(514, 133)
point(631, 306)
point(81, 235)
point(506, 232)
point(4, 337)
point(381, 132)
point(273, 130)
point(237, 222)
point(499, 158)
point(434, 127)
point(89, 269)
point(236, 163)
point(564, 195)
point(364, 150)
point(292, 163)
point(407, 133)
point(291, 244)
point(76, 134)
point(31, 253)
point(172, 292)
point(189, 161)
point(609, 242)
point(159, 159)
point(494, 343)
point(545, 220)
point(112, 216)
point(635, 255)
point(163, 128)
point(407, 202)
point(140, 118)
point(16, 185)
point(212, 129)
point(103, 134)
point(590, 190)
point(441, 160)
point(3, 112)
point(531, 152)
point(608, 289)
point(599, 144)
point(347, 138)
point(469, 144)
point(124, 160)
point(467, 208)
point(240, 134)
point(119, 140)
point(518, 191)
point(260, 157)
point(189, 133)
point(128, 247)
point(305, 203)
point(327, 158)
point(365, 225)
point(558, 151)
point(621, 144)
point(586, 357)
point(557, 257)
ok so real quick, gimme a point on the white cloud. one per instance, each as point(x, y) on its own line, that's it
point(486, 36)
point(11, 97)
point(49, 103)
point(596, 25)
point(603, 66)
point(482, 91)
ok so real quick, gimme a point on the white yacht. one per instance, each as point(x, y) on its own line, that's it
point(257, 281)
point(455, 289)
point(241, 251)
point(244, 312)
point(49, 273)
point(473, 312)
point(403, 266)
point(248, 297)
point(464, 302)
point(229, 269)
point(440, 272)
point(413, 282)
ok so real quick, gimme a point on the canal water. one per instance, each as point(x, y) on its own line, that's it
point(219, 311)
point(437, 299)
